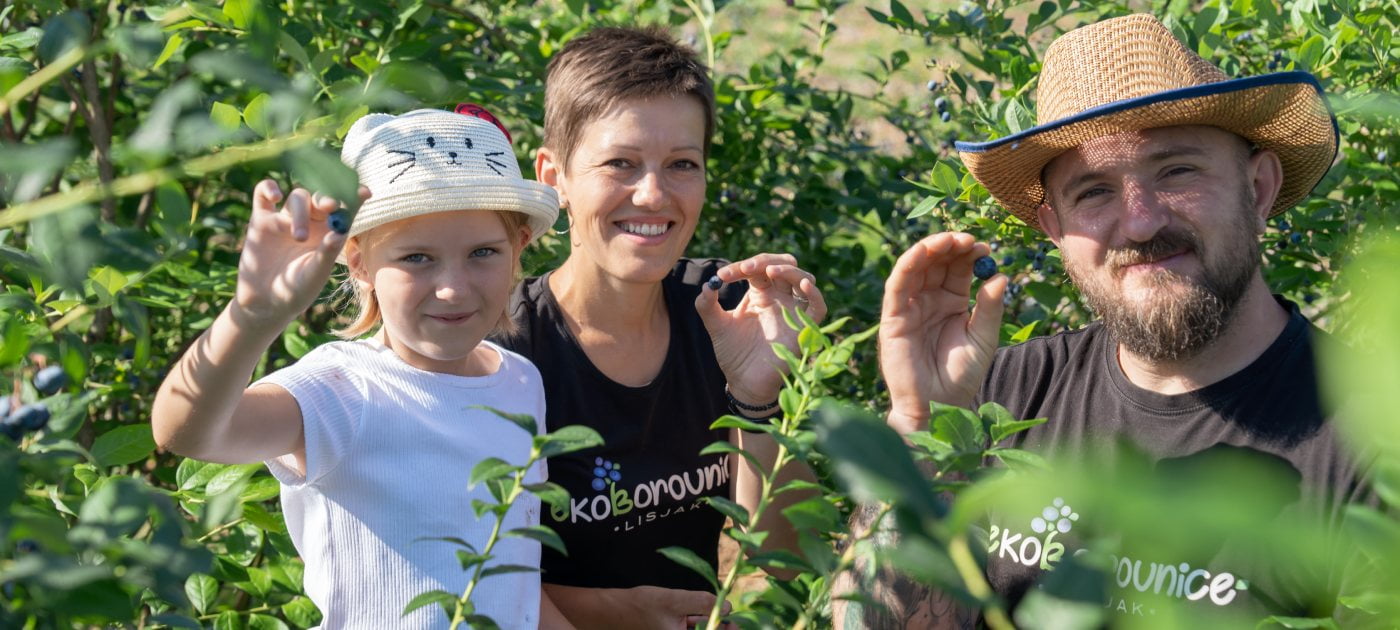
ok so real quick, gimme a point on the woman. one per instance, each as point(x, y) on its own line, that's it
point(630, 342)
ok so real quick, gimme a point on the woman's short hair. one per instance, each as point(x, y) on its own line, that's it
point(597, 70)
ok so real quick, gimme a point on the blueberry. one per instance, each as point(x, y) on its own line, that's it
point(984, 267)
point(1382, 156)
point(11, 428)
point(1272, 65)
point(714, 283)
point(1038, 265)
point(1007, 260)
point(1295, 238)
point(933, 85)
point(26, 545)
point(30, 417)
point(339, 221)
point(50, 380)
point(1283, 226)
point(1309, 298)
point(945, 116)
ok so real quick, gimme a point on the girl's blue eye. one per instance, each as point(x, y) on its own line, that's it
point(484, 251)
point(415, 258)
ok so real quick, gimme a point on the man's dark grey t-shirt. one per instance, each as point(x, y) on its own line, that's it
point(1270, 412)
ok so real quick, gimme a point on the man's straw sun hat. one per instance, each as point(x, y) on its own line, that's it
point(1129, 74)
point(431, 160)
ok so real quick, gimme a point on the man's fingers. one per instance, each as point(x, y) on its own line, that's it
point(985, 326)
point(299, 208)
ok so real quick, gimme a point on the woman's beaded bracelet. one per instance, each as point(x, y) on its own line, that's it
point(736, 406)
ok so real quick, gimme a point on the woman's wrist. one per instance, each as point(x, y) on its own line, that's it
point(749, 406)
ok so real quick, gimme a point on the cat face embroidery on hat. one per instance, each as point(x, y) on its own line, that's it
point(430, 144)
point(430, 160)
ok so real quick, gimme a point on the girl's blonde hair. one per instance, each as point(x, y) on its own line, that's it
point(366, 305)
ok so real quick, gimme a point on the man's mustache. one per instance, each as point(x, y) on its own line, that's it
point(1164, 244)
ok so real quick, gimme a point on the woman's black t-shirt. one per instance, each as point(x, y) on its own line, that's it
point(640, 491)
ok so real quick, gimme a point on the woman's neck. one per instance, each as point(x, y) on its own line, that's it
point(592, 299)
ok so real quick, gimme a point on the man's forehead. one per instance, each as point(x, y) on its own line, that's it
point(1105, 152)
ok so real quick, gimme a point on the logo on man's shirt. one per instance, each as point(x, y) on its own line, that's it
point(1172, 580)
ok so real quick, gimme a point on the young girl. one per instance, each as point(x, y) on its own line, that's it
point(373, 440)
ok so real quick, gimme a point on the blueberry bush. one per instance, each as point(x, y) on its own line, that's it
point(131, 135)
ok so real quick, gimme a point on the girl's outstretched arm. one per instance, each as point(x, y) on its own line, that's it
point(204, 409)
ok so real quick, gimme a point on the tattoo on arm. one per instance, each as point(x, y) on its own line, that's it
point(899, 602)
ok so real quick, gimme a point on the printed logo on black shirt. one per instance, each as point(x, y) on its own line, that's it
point(646, 501)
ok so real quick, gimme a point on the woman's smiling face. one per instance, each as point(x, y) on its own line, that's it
point(635, 185)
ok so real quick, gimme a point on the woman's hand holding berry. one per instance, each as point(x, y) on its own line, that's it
point(743, 338)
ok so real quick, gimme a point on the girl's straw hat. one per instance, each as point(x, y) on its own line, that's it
point(430, 160)
point(1130, 73)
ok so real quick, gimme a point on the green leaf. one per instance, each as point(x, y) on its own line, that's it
point(1299, 622)
point(447, 600)
point(469, 559)
point(926, 206)
point(63, 33)
point(541, 533)
point(815, 513)
point(1003, 430)
point(873, 461)
point(231, 477)
point(320, 170)
point(525, 421)
point(688, 559)
point(202, 591)
point(502, 569)
point(489, 469)
point(265, 622)
point(302, 612)
point(958, 427)
point(1021, 460)
point(722, 447)
point(550, 493)
point(228, 620)
point(123, 445)
point(736, 422)
point(171, 45)
point(945, 179)
point(736, 513)
point(900, 14)
point(255, 115)
point(567, 440)
point(240, 12)
point(1310, 51)
point(262, 519)
point(366, 62)
point(226, 116)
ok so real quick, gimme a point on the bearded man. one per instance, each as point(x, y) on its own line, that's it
point(1154, 174)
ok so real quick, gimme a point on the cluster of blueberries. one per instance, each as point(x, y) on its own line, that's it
point(14, 423)
point(940, 103)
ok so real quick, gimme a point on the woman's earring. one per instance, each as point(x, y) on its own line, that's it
point(569, 218)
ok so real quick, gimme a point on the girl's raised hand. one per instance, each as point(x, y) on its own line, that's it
point(288, 254)
point(743, 337)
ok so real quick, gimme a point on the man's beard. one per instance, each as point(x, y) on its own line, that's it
point(1182, 315)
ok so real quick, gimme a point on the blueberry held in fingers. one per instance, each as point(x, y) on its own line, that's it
point(714, 283)
point(984, 267)
point(339, 221)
